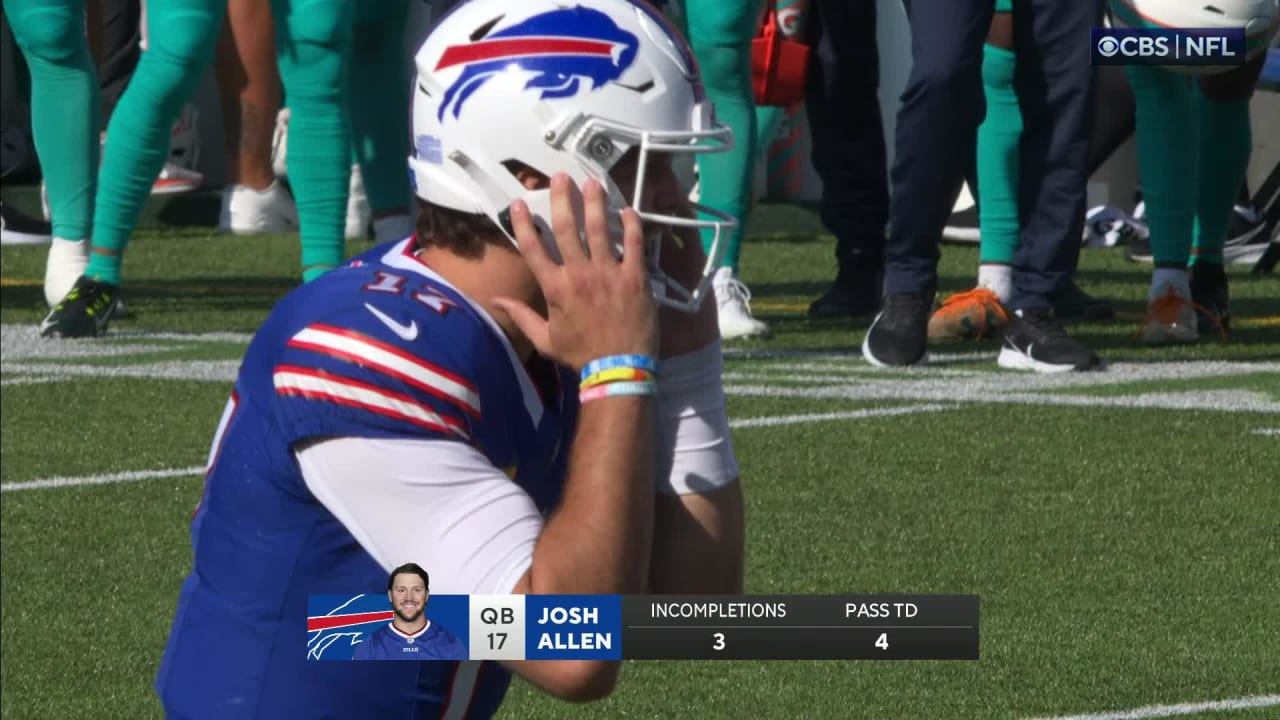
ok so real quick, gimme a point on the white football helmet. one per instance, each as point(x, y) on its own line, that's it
point(560, 86)
point(1258, 19)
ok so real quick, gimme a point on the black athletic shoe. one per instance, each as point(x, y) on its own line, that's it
point(1246, 236)
point(855, 293)
point(17, 228)
point(84, 312)
point(1138, 249)
point(1209, 291)
point(899, 334)
point(1075, 304)
point(1034, 340)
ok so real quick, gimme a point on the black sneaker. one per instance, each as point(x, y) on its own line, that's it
point(855, 293)
point(1209, 291)
point(899, 334)
point(84, 312)
point(1034, 340)
point(1075, 304)
point(1246, 236)
point(1138, 249)
point(17, 228)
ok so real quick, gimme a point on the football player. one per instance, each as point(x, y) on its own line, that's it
point(313, 39)
point(483, 397)
point(64, 122)
point(1194, 138)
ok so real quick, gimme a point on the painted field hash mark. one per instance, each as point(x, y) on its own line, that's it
point(1163, 711)
point(106, 479)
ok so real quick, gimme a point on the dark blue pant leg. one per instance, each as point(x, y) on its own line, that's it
point(843, 108)
point(941, 109)
point(1054, 81)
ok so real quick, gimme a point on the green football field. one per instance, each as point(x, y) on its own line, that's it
point(1122, 528)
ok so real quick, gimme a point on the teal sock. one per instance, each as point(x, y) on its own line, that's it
point(378, 98)
point(313, 38)
point(720, 34)
point(1166, 130)
point(180, 37)
point(64, 107)
point(1225, 142)
point(998, 138)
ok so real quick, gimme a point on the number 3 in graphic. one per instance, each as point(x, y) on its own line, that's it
point(719, 645)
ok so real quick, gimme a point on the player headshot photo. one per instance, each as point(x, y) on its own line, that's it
point(410, 635)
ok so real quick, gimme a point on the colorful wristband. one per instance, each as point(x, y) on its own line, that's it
point(617, 375)
point(638, 362)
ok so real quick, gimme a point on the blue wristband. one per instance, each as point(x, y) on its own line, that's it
point(639, 362)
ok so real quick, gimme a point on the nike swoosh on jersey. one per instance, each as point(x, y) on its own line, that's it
point(406, 332)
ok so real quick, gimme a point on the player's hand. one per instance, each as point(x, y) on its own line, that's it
point(597, 305)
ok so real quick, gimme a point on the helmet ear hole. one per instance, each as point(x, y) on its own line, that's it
point(528, 177)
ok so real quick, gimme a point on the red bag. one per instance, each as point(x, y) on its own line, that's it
point(778, 64)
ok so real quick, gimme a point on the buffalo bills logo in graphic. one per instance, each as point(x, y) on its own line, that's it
point(563, 48)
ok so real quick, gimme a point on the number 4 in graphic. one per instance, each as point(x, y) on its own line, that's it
point(882, 642)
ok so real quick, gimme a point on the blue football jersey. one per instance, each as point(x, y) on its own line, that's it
point(380, 348)
point(432, 642)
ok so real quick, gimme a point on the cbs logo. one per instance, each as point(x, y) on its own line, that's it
point(1108, 47)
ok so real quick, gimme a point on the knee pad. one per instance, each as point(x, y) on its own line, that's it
point(319, 23)
point(183, 36)
point(51, 34)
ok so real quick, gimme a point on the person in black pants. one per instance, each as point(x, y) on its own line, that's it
point(941, 108)
point(843, 109)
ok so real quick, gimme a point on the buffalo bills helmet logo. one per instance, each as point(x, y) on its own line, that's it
point(562, 47)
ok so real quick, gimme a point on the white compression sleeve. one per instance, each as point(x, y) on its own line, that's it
point(695, 450)
point(438, 503)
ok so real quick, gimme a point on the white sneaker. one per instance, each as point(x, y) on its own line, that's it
point(358, 213)
point(68, 259)
point(733, 302)
point(246, 211)
point(280, 144)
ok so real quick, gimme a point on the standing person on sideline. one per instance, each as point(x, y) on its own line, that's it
point(1194, 139)
point(64, 122)
point(843, 107)
point(312, 40)
point(941, 108)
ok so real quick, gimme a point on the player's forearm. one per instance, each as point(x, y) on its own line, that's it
point(599, 539)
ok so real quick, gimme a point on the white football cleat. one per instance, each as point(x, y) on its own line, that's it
point(246, 211)
point(733, 303)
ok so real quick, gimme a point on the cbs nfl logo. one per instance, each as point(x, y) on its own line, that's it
point(1185, 47)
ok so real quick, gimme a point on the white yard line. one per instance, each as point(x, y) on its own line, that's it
point(765, 421)
point(108, 479)
point(775, 420)
point(1267, 432)
point(1161, 711)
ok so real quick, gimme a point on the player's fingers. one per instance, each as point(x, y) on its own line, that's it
point(596, 222)
point(634, 259)
point(531, 324)
point(529, 242)
point(564, 221)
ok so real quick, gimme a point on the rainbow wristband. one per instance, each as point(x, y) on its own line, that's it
point(622, 374)
point(635, 362)
point(617, 389)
